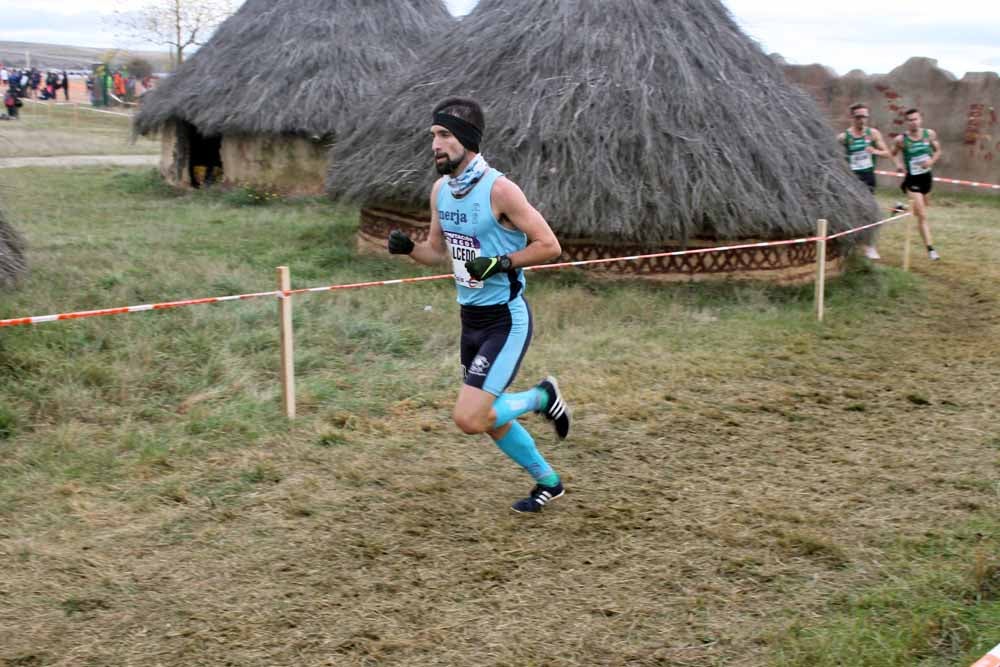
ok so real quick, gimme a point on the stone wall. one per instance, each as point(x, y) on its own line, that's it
point(965, 112)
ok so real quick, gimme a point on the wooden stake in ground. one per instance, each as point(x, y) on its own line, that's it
point(820, 267)
point(287, 346)
point(908, 230)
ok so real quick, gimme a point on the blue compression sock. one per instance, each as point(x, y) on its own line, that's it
point(520, 446)
point(512, 406)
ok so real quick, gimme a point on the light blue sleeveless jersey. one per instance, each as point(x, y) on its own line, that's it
point(472, 231)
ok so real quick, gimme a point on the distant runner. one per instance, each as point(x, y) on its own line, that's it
point(862, 144)
point(921, 150)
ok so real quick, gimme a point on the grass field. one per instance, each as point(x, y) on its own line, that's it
point(45, 131)
point(745, 486)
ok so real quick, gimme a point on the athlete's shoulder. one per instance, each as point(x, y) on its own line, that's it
point(505, 191)
point(437, 186)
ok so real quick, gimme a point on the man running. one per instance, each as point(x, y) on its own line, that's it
point(921, 150)
point(861, 145)
point(483, 224)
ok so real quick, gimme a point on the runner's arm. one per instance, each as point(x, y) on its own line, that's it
point(937, 148)
point(510, 203)
point(434, 250)
point(894, 149)
point(878, 146)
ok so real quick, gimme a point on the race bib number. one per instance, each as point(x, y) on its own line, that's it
point(463, 249)
point(861, 161)
point(918, 165)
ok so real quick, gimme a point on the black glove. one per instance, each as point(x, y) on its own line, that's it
point(399, 243)
point(482, 268)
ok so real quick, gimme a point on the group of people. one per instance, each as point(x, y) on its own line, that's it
point(32, 83)
point(108, 86)
point(35, 83)
point(913, 152)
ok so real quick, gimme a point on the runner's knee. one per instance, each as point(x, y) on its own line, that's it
point(471, 423)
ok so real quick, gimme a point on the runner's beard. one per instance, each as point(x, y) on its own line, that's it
point(449, 166)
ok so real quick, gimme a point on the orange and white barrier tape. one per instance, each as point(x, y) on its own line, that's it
point(855, 230)
point(130, 309)
point(991, 659)
point(955, 181)
point(17, 321)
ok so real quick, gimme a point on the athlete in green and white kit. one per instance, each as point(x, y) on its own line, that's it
point(861, 144)
point(920, 150)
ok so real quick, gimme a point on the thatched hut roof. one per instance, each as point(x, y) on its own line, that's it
point(630, 120)
point(293, 66)
point(12, 262)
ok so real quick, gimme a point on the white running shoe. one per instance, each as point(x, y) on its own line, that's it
point(872, 253)
point(933, 255)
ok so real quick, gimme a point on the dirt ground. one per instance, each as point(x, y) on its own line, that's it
point(714, 497)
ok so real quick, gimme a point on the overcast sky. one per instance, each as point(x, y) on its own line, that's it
point(963, 35)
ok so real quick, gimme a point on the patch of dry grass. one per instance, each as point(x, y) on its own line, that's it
point(735, 469)
point(46, 131)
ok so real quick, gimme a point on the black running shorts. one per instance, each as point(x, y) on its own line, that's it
point(920, 183)
point(494, 341)
point(867, 177)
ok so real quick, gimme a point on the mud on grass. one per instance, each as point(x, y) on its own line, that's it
point(743, 484)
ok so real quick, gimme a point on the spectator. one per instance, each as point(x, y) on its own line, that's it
point(14, 81)
point(119, 84)
point(106, 83)
point(35, 81)
point(49, 91)
point(65, 84)
point(11, 102)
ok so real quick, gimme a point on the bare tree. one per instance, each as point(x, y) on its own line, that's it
point(138, 67)
point(175, 23)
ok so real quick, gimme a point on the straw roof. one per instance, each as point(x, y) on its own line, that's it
point(630, 120)
point(293, 66)
point(12, 262)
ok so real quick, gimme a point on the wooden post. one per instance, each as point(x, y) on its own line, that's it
point(820, 267)
point(908, 230)
point(287, 346)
